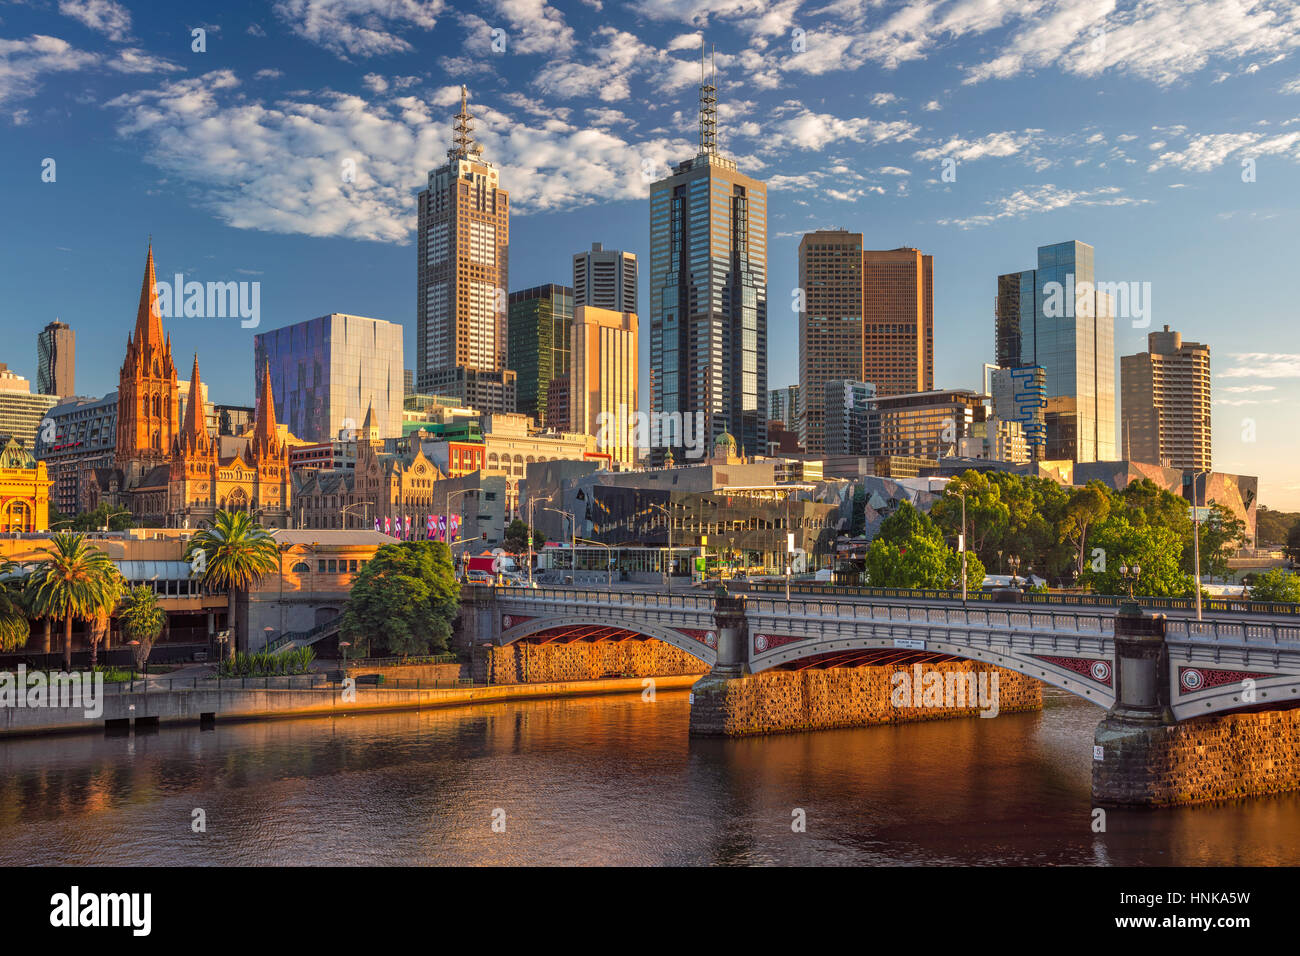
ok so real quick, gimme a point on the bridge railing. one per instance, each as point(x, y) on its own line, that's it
point(625, 598)
point(1210, 605)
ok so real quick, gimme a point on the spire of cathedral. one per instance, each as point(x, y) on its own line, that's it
point(148, 323)
point(264, 433)
point(194, 430)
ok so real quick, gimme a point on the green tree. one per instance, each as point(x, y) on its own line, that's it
point(987, 515)
point(1221, 534)
point(233, 555)
point(73, 581)
point(1084, 508)
point(906, 524)
point(142, 620)
point(404, 600)
point(14, 628)
point(516, 538)
point(1154, 549)
point(1276, 584)
point(96, 519)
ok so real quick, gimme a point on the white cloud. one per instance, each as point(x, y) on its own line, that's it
point(994, 144)
point(1046, 198)
point(276, 166)
point(103, 16)
point(24, 62)
point(809, 130)
point(1264, 365)
point(1208, 151)
point(358, 27)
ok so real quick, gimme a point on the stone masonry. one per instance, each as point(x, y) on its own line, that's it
point(775, 702)
point(525, 663)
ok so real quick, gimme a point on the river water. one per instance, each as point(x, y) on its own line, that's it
point(613, 780)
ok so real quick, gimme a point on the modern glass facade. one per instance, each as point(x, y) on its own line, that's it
point(830, 326)
point(326, 373)
point(541, 326)
point(56, 360)
point(708, 301)
point(1020, 395)
point(1054, 317)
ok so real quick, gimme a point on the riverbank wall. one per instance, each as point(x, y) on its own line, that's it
point(142, 708)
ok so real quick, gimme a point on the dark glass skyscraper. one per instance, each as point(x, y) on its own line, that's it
point(1054, 317)
point(708, 294)
point(541, 326)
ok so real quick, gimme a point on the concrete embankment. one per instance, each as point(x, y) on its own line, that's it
point(229, 702)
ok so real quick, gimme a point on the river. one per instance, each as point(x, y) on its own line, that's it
point(613, 780)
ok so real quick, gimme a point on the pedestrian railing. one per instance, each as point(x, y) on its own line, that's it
point(318, 682)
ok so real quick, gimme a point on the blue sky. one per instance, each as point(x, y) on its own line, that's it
point(1121, 124)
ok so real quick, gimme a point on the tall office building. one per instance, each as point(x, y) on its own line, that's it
point(785, 406)
point(708, 294)
point(462, 277)
point(925, 424)
point(1165, 395)
point(1054, 316)
point(849, 418)
point(21, 411)
point(898, 321)
point(326, 372)
point(830, 324)
point(56, 360)
point(1020, 396)
point(605, 278)
point(541, 326)
point(603, 379)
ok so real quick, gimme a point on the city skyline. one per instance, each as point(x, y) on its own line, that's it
point(1150, 200)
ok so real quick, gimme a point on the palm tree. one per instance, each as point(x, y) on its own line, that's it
point(75, 580)
point(142, 620)
point(232, 555)
point(14, 628)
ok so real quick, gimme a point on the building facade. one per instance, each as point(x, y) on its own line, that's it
point(925, 425)
point(605, 278)
point(56, 360)
point(708, 294)
point(784, 405)
point(1165, 402)
point(1020, 395)
point(326, 372)
point(24, 490)
point(830, 324)
point(898, 321)
point(1056, 317)
point(462, 272)
point(603, 390)
point(849, 419)
point(83, 440)
point(21, 411)
point(541, 329)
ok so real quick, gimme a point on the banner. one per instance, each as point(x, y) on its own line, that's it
point(376, 522)
point(388, 525)
point(454, 527)
point(428, 527)
point(441, 533)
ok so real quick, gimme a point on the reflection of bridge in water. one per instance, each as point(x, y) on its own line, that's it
point(1153, 674)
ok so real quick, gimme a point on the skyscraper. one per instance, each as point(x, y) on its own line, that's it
point(541, 326)
point(830, 324)
point(56, 360)
point(605, 278)
point(1020, 395)
point(1054, 316)
point(463, 270)
point(603, 379)
point(708, 294)
point(785, 406)
point(849, 413)
point(1165, 394)
point(897, 321)
point(326, 372)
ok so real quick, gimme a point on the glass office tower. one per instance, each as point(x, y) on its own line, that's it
point(541, 325)
point(1054, 317)
point(708, 295)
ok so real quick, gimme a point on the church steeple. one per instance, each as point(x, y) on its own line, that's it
point(194, 438)
point(265, 440)
point(148, 322)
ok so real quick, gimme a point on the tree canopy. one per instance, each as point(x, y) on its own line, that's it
point(403, 601)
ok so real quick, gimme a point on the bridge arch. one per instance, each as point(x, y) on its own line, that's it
point(621, 629)
point(1086, 673)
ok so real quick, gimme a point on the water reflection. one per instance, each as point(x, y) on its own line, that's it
point(601, 781)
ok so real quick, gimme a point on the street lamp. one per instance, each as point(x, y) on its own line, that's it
point(573, 538)
point(1196, 524)
point(1014, 563)
point(450, 541)
point(343, 512)
point(668, 567)
point(961, 541)
point(343, 646)
point(267, 632)
point(532, 502)
point(1130, 576)
point(609, 560)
